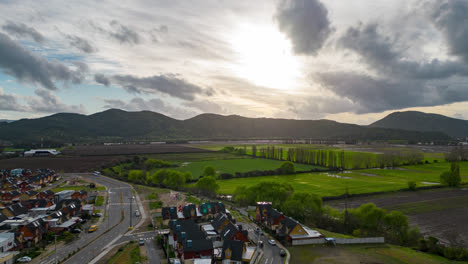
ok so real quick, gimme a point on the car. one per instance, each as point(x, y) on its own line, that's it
point(137, 213)
point(282, 253)
point(92, 228)
point(24, 259)
point(141, 242)
point(272, 242)
point(76, 231)
point(97, 215)
point(96, 173)
point(260, 243)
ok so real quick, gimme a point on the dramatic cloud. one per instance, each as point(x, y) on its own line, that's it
point(29, 67)
point(47, 102)
point(102, 79)
point(21, 30)
point(81, 44)
point(168, 84)
point(157, 105)
point(124, 34)
point(305, 22)
point(451, 18)
point(9, 102)
point(378, 52)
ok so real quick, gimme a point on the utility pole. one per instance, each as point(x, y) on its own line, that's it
point(56, 256)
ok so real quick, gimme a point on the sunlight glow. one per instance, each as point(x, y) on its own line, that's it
point(265, 57)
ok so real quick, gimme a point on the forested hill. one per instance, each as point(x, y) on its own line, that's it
point(118, 125)
point(418, 121)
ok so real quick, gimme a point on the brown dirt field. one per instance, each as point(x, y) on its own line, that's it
point(102, 150)
point(61, 163)
point(449, 225)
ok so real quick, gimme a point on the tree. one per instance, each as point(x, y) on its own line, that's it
point(287, 168)
point(136, 175)
point(451, 178)
point(209, 171)
point(174, 179)
point(188, 176)
point(207, 185)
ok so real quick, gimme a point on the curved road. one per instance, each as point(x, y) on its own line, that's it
point(92, 244)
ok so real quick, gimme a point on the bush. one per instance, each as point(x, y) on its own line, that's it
point(412, 185)
point(287, 168)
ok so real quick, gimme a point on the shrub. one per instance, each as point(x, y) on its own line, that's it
point(287, 168)
point(412, 185)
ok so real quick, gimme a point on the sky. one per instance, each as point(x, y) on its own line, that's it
point(349, 61)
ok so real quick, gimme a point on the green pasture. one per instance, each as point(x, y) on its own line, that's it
point(237, 165)
point(357, 181)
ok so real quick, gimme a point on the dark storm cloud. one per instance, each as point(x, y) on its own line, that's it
point(451, 18)
point(169, 84)
point(305, 22)
point(22, 30)
point(124, 34)
point(378, 51)
point(29, 67)
point(102, 79)
point(81, 44)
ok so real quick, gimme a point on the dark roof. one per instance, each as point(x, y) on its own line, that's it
point(185, 225)
point(264, 208)
point(189, 210)
point(14, 193)
point(229, 231)
point(274, 215)
point(3, 217)
point(190, 234)
point(31, 192)
point(169, 213)
point(66, 202)
point(287, 223)
point(198, 245)
point(236, 248)
point(17, 209)
point(218, 221)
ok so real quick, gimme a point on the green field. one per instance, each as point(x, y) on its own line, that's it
point(385, 253)
point(358, 181)
point(237, 165)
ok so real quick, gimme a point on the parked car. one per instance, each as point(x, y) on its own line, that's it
point(137, 213)
point(24, 259)
point(282, 253)
point(141, 242)
point(260, 243)
point(92, 228)
point(76, 231)
point(97, 215)
point(272, 242)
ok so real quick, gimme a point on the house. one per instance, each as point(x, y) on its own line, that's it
point(10, 196)
point(23, 186)
point(64, 203)
point(292, 230)
point(7, 242)
point(233, 232)
point(15, 209)
point(262, 211)
point(34, 231)
point(37, 203)
point(80, 195)
point(237, 252)
point(190, 211)
point(28, 195)
point(200, 248)
point(220, 222)
point(63, 195)
point(169, 213)
point(49, 195)
point(274, 218)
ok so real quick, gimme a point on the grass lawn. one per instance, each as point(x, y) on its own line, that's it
point(155, 205)
point(99, 201)
point(237, 165)
point(191, 199)
point(153, 196)
point(357, 181)
point(378, 254)
point(77, 188)
point(127, 254)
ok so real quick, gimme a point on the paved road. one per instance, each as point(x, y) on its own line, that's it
point(93, 243)
point(150, 244)
point(271, 253)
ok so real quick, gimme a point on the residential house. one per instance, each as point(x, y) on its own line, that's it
point(33, 231)
point(80, 195)
point(233, 232)
point(10, 196)
point(190, 211)
point(262, 211)
point(49, 195)
point(169, 213)
point(237, 252)
point(28, 195)
point(63, 195)
point(219, 222)
point(7, 241)
point(291, 230)
point(274, 218)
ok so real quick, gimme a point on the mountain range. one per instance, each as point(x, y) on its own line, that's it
point(119, 125)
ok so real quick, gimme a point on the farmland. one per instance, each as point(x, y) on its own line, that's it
point(378, 254)
point(124, 149)
point(358, 181)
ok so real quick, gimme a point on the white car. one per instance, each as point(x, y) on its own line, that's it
point(272, 242)
point(24, 259)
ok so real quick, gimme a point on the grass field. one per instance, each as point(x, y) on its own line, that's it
point(129, 254)
point(237, 165)
point(99, 201)
point(358, 181)
point(354, 254)
point(431, 205)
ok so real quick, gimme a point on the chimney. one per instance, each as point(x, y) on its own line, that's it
point(178, 227)
point(189, 243)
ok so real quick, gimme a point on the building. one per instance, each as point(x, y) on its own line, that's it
point(41, 152)
point(237, 252)
point(63, 195)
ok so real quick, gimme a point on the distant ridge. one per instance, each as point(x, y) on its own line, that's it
point(419, 121)
point(119, 125)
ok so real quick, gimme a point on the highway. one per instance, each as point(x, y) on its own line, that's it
point(92, 244)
